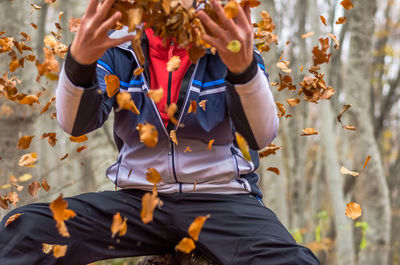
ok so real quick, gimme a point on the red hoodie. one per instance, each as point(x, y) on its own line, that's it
point(159, 55)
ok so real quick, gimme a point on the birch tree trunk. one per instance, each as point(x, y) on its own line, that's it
point(372, 190)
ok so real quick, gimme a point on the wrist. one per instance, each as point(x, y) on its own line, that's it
point(245, 75)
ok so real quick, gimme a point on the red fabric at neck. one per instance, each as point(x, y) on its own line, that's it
point(159, 54)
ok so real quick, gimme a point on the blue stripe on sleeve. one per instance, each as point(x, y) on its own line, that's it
point(262, 66)
point(105, 66)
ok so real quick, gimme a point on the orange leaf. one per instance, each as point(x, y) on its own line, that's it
point(33, 188)
point(45, 185)
point(78, 139)
point(172, 135)
point(366, 161)
point(138, 71)
point(269, 150)
point(344, 109)
point(125, 101)
point(347, 4)
point(353, 210)
point(24, 142)
point(186, 245)
point(309, 34)
point(148, 134)
point(58, 250)
point(187, 149)
point(323, 20)
point(231, 9)
point(281, 108)
point(12, 218)
point(293, 101)
point(308, 131)
point(112, 83)
point(153, 176)
point(196, 226)
point(60, 214)
point(149, 203)
point(80, 149)
point(192, 107)
point(156, 94)
point(341, 20)
point(349, 127)
point(47, 106)
point(118, 225)
point(274, 169)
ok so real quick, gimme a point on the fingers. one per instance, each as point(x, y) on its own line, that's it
point(229, 24)
point(102, 10)
point(115, 42)
point(215, 29)
point(109, 23)
point(212, 41)
point(247, 12)
point(91, 9)
point(242, 18)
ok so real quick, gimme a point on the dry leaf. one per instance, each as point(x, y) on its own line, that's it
point(12, 218)
point(112, 83)
point(25, 177)
point(308, 131)
point(366, 161)
point(344, 109)
point(281, 108)
point(269, 150)
point(186, 245)
point(153, 176)
point(149, 203)
point(148, 134)
point(173, 63)
point(353, 210)
point(347, 4)
point(80, 149)
point(60, 214)
point(196, 226)
point(323, 20)
point(187, 149)
point(234, 46)
point(47, 106)
point(231, 9)
point(24, 142)
point(58, 250)
point(202, 104)
point(28, 160)
point(345, 171)
point(243, 146)
point(73, 24)
point(309, 34)
point(349, 127)
point(333, 37)
point(274, 169)
point(293, 101)
point(12, 197)
point(172, 135)
point(192, 107)
point(45, 185)
point(125, 101)
point(138, 71)
point(33, 188)
point(64, 157)
point(341, 20)
point(210, 143)
point(156, 94)
point(118, 225)
point(78, 139)
point(284, 66)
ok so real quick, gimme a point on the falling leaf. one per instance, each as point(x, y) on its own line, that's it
point(33, 188)
point(112, 85)
point(210, 143)
point(19, 187)
point(78, 139)
point(3, 203)
point(353, 210)
point(250, 3)
point(12, 218)
point(187, 149)
point(173, 63)
point(148, 134)
point(58, 250)
point(323, 20)
point(274, 169)
point(118, 225)
point(344, 109)
point(47, 106)
point(80, 149)
point(73, 24)
point(172, 135)
point(293, 101)
point(186, 245)
point(349, 127)
point(196, 226)
point(28, 100)
point(333, 37)
point(138, 71)
point(192, 107)
point(171, 110)
point(25, 177)
point(231, 9)
point(125, 101)
point(60, 15)
point(28, 160)
point(341, 20)
point(308, 131)
point(12, 197)
point(284, 66)
point(309, 34)
point(202, 104)
point(366, 161)
point(153, 176)
point(149, 203)
point(281, 108)
point(234, 46)
point(64, 157)
point(269, 150)
point(156, 94)
point(345, 171)
point(45, 185)
point(24, 142)
point(243, 146)
point(347, 4)
point(34, 26)
point(60, 214)
point(51, 138)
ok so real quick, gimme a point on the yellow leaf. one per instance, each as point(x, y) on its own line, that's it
point(195, 227)
point(172, 135)
point(231, 9)
point(234, 46)
point(353, 210)
point(25, 177)
point(186, 245)
point(243, 146)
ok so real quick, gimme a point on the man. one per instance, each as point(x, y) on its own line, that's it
point(219, 182)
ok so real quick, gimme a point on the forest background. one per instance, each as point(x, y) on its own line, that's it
point(309, 192)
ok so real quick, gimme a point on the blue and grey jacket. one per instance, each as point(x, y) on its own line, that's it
point(242, 103)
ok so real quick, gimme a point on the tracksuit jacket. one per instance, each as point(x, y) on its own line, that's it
point(242, 103)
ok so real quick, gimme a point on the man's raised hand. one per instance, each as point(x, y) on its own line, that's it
point(240, 29)
point(92, 40)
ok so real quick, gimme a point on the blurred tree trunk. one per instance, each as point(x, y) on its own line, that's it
point(372, 190)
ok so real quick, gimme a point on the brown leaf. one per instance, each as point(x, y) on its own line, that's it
point(172, 135)
point(274, 169)
point(202, 104)
point(156, 94)
point(333, 37)
point(60, 214)
point(344, 109)
point(80, 149)
point(192, 107)
point(125, 101)
point(341, 20)
point(353, 210)
point(28, 160)
point(281, 108)
point(196, 226)
point(153, 176)
point(24, 142)
point(138, 71)
point(345, 171)
point(269, 150)
point(308, 131)
point(118, 225)
point(347, 4)
point(293, 101)
point(186, 245)
point(112, 85)
point(47, 106)
point(12, 218)
point(78, 139)
point(349, 127)
point(12, 197)
point(148, 134)
point(187, 149)
point(33, 188)
point(366, 161)
point(45, 185)
point(210, 143)
point(73, 24)
point(323, 20)
point(64, 157)
point(51, 138)
point(173, 64)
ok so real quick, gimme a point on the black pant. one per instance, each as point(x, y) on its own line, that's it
point(240, 230)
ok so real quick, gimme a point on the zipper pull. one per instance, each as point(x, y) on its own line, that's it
point(171, 50)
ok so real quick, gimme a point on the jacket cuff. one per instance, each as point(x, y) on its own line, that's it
point(82, 75)
point(245, 76)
